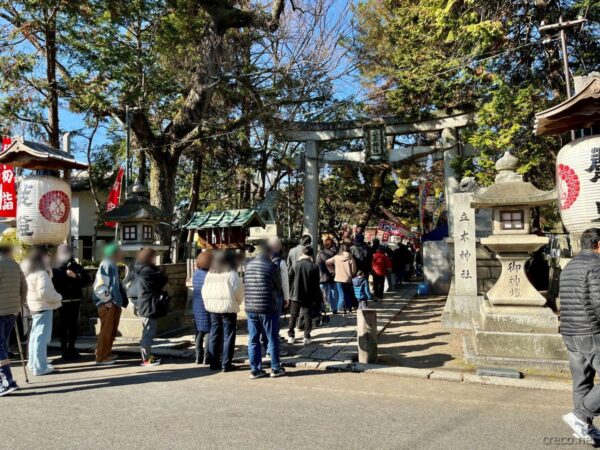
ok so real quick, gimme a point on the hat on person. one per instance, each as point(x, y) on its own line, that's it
point(110, 250)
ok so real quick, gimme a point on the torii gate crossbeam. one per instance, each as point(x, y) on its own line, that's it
point(312, 134)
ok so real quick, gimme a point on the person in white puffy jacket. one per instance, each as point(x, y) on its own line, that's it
point(223, 293)
point(42, 299)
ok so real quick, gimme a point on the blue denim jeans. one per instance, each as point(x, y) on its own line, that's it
point(330, 294)
point(257, 323)
point(264, 339)
point(7, 324)
point(221, 342)
point(346, 298)
point(39, 338)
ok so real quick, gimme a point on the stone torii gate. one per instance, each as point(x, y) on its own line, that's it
point(376, 131)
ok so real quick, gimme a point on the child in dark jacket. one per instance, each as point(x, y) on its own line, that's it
point(361, 289)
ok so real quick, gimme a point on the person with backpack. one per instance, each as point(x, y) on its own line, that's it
point(308, 294)
point(69, 279)
point(42, 300)
point(152, 303)
point(223, 293)
point(109, 297)
point(283, 298)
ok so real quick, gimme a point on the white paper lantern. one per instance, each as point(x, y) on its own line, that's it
point(44, 210)
point(578, 184)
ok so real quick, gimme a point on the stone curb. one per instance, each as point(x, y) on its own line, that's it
point(377, 369)
point(447, 375)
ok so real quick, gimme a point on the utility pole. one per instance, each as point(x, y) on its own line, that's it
point(128, 149)
point(128, 165)
point(561, 26)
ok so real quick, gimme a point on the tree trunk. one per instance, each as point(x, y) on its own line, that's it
point(52, 94)
point(195, 191)
point(162, 191)
point(142, 171)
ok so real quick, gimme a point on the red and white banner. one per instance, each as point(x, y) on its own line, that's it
point(395, 229)
point(114, 197)
point(8, 194)
point(6, 141)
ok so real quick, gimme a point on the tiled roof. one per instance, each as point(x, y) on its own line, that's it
point(244, 218)
point(37, 156)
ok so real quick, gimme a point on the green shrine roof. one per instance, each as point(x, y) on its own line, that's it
point(243, 218)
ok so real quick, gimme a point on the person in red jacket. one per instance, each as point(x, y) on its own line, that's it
point(382, 264)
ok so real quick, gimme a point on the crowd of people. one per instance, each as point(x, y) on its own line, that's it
point(305, 284)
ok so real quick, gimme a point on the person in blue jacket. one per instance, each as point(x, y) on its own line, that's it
point(361, 289)
point(201, 316)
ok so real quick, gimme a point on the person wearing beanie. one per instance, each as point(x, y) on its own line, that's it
point(69, 279)
point(109, 297)
point(13, 298)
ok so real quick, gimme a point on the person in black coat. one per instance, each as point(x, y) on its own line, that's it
point(69, 278)
point(308, 294)
point(151, 282)
point(580, 329)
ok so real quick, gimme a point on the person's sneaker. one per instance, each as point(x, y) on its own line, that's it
point(283, 351)
point(594, 432)
point(106, 362)
point(290, 340)
point(112, 357)
point(152, 361)
point(231, 368)
point(48, 371)
point(579, 427)
point(277, 373)
point(307, 341)
point(4, 390)
point(255, 375)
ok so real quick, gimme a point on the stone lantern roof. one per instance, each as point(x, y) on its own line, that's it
point(137, 208)
point(510, 189)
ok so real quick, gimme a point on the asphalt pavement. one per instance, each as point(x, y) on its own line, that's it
point(180, 405)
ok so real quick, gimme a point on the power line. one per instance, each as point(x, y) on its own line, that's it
point(467, 64)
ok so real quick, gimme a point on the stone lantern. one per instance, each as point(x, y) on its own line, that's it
point(514, 328)
point(138, 221)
